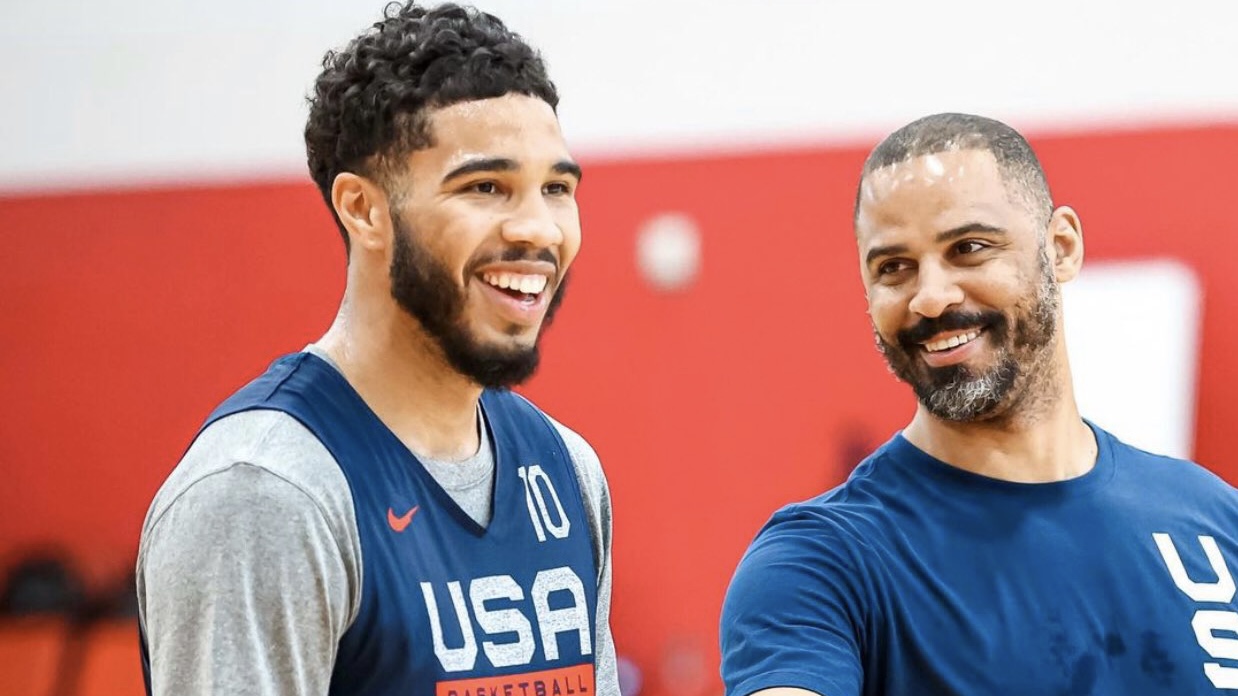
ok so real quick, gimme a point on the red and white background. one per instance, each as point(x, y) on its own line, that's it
point(160, 243)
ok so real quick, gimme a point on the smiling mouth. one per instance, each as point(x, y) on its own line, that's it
point(519, 286)
point(952, 342)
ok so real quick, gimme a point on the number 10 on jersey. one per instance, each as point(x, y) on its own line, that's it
point(537, 488)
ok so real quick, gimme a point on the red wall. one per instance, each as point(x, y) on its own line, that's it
point(127, 315)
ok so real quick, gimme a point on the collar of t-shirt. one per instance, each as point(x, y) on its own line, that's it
point(453, 475)
point(917, 462)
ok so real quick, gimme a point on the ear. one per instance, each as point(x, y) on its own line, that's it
point(363, 210)
point(1065, 243)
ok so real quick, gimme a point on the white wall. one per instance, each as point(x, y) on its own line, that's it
point(129, 90)
point(1132, 329)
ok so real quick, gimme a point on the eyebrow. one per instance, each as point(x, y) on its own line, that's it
point(950, 234)
point(503, 164)
point(569, 168)
point(969, 228)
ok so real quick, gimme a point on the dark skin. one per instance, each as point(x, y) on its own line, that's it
point(497, 176)
point(941, 233)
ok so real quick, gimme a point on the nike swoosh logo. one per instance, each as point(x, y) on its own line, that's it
point(400, 523)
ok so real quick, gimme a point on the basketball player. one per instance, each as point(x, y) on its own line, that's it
point(999, 544)
point(378, 514)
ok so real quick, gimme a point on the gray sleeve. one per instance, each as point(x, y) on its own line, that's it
point(597, 503)
point(248, 569)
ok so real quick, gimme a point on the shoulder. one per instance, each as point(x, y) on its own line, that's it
point(814, 537)
point(1151, 469)
point(254, 467)
point(266, 441)
point(846, 518)
point(825, 544)
point(588, 467)
point(584, 458)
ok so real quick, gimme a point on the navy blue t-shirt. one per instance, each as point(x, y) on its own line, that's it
point(918, 578)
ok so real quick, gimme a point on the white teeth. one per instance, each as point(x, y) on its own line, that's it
point(528, 284)
point(951, 342)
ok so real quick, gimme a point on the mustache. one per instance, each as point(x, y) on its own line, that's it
point(928, 327)
point(515, 254)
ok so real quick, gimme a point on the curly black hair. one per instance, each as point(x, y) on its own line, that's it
point(371, 102)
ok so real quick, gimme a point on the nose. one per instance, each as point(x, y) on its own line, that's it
point(533, 223)
point(936, 291)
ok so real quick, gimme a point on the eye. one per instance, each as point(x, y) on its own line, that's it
point(483, 187)
point(557, 188)
point(970, 246)
point(891, 267)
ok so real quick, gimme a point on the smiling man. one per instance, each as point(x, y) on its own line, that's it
point(378, 513)
point(999, 544)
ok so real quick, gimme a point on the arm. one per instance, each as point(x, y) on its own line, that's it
point(242, 588)
point(792, 618)
point(597, 503)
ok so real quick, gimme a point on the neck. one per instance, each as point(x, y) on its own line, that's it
point(403, 376)
point(1042, 439)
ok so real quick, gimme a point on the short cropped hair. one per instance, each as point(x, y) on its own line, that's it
point(930, 135)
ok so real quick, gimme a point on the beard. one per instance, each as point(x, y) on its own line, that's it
point(425, 288)
point(1022, 350)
